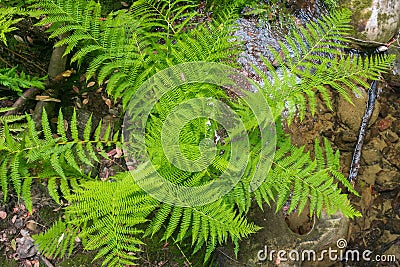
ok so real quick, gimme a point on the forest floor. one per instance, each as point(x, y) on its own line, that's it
point(378, 181)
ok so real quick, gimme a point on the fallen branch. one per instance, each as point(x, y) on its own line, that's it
point(355, 164)
point(45, 261)
point(21, 101)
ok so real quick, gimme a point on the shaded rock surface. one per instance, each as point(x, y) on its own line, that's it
point(374, 20)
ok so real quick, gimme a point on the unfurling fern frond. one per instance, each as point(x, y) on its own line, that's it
point(60, 157)
point(312, 58)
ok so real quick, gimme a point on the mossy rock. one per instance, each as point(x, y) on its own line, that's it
point(374, 21)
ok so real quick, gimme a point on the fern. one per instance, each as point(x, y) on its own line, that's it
point(7, 21)
point(208, 225)
point(308, 180)
point(111, 213)
point(312, 58)
point(59, 240)
point(124, 49)
point(60, 158)
point(125, 46)
point(16, 82)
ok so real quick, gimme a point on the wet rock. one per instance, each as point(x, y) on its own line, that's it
point(377, 143)
point(345, 140)
point(351, 114)
point(396, 127)
point(374, 20)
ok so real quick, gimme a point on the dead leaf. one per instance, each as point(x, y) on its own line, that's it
point(66, 73)
point(46, 98)
point(18, 38)
point(76, 89)
point(82, 78)
point(85, 101)
point(366, 198)
point(60, 239)
point(66, 125)
point(108, 103)
point(3, 215)
point(383, 124)
point(99, 90)
point(31, 225)
point(91, 84)
point(119, 152)
point(30, 40)
point(124, 4)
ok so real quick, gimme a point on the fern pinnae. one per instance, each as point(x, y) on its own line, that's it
point(26, 193)
point(4, 179)
point(15, 175)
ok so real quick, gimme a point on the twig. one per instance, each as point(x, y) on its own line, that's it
point(28, 94)
point(390, 43)
point(24, 58)
point(227, 256)
point(355, 164)
point(46, 261)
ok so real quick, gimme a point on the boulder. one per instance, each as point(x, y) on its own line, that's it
point(375, 21)
point(393, 76)
point(351, 114)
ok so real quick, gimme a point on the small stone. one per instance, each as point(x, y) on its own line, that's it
point(371, 156)
point(19, 223)
point(351, 114)
point(383, 124)
point(391, 136)
point(3, 215)
point(369, 173)
point(24, 232)
point(26, 247)
point(32, 226)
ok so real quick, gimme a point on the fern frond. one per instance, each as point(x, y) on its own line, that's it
point(311, 58)
point(58, 240)
point(114, 210)
point(16, 82)
point(307, 180)
point(208, 225)
point(8, 20)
